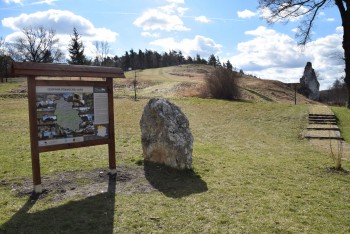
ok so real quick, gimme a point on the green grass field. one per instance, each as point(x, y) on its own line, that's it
point(252, 173)
point(343, 115)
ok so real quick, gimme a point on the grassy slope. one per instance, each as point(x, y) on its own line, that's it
point(343, 115)
point(260, 176)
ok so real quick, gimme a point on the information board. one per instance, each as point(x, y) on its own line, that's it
point(70, 106)
point(71, 114)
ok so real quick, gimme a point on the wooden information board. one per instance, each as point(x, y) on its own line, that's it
point(68, 113)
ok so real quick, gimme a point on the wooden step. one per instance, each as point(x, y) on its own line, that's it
point(323, 127)
point(323, 122)
point(323, 134)
point(325, 115)
point(322, 117)
point(323, 138)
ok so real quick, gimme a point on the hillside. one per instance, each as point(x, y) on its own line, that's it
point(188, 80)
point(185, 81)
point(252, 172)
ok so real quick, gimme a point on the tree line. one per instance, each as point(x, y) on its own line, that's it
point(336, 94)
point(39, 44)
point(135, 60)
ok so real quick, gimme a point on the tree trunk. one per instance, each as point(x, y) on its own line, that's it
point(347, 67)
point(346, 47)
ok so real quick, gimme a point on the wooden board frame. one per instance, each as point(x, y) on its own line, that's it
point(45, 71)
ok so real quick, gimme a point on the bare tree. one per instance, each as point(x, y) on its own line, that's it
point(2, 46)
point(37, 44)
point(5, 60)
point(308, 10)
point(102, 51)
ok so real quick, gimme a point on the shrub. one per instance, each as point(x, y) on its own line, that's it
point(337, 154)
point(221, 84)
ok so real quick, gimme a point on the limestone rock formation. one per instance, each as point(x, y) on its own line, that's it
point(166, 136)
point(309, 85)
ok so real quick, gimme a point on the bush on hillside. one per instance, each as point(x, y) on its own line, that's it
point(221, 84)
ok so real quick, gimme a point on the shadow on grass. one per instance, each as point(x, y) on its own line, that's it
point(91, 215)
point(174, 183)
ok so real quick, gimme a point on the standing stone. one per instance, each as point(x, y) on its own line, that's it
point(309, 85)
point(166, 136)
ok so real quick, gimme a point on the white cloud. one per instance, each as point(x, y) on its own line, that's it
point(202, 19)
point(14, 1)
point(40, 2)
point(148, 34)
point(330, 19)
point(190, 47)
point(176, 1)
point(295, 30)
point(246, 14)
point(339, 29)
point(181, 10)
point(63, 23)
point(326, 52)
point(173, 9)
point(157, 20)
point(292, 14)
point(273, 55)
point(48, 2)
point(267, 49)
point(165, 18)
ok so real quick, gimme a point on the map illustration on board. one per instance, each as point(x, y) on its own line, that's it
point(68, 114)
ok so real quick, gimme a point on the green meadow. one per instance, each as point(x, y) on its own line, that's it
point(252, 173)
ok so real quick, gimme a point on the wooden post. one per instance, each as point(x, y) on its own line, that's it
point(135, 86)
point(34, 134)
point(295, 94)
point(111, 144)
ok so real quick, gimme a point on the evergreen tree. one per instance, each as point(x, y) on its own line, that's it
point(76, 50)
point(229, 65)
point(198, 59)
point(218, 63)
point(117, 61)
point(126, 64)
point(189, 60)
point(212, 60)
point(141, 59)
point(181, 58)
point(132, 59)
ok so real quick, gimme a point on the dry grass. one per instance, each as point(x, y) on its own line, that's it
point(252, 173)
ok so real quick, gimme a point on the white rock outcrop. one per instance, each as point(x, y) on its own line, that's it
point(309, 85)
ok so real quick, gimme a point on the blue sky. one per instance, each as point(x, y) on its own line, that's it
point(230, 29)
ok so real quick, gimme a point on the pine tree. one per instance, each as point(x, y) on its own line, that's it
point(212, 60)
point(229, 65)
point(76, 50)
